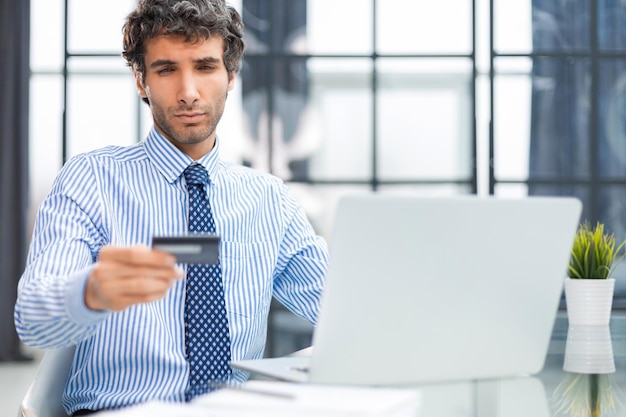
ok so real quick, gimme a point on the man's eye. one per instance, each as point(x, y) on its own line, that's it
point(164, 70)
point(207, 68)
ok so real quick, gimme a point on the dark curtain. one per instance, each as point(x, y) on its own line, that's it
point(559, 142)
point(14, 91)
point(578, 116)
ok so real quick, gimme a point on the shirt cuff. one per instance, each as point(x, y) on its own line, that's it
point(75, 301)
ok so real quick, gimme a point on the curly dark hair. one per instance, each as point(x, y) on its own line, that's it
point(196, 20)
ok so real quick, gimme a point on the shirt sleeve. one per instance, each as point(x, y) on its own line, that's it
point(302, 264)
point(50, 311)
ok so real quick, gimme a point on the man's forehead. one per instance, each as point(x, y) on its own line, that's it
point(177, 46)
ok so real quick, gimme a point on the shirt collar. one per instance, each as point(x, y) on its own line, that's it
point(171, 161)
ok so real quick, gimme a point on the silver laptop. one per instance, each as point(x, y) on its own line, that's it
point(436, 289)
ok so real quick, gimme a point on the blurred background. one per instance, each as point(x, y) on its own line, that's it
point(487, 97)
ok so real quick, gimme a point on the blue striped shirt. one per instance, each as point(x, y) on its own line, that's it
point(123, 196)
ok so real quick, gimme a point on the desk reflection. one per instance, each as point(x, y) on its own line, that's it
point(585, 375)
point(507, 397)
point(588, 389)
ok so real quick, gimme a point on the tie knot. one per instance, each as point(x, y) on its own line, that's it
point(196, 174)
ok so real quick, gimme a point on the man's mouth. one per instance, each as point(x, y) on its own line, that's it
point(190, 117)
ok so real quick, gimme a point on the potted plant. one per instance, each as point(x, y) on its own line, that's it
point(589, 285)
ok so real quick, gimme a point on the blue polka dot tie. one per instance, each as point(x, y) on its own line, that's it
point(207, 339)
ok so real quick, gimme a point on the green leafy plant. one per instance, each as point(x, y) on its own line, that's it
point(594, 253)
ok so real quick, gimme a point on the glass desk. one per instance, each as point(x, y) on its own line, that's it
point(585, 370)
point(584, 375)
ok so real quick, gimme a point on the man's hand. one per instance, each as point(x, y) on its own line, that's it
point(125, 276)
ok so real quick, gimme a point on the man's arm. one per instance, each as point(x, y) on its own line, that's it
point(64, 294)
point(302, 264)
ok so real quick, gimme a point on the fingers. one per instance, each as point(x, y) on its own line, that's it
point(127, 276)
point(115, 270)
point(138, 261)
point(137, 255)
point(118, 294)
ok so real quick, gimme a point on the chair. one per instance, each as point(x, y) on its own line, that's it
point(43, 397)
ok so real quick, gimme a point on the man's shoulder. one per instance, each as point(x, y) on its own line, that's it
point(112, 154)
point(244, 174)
point(118, 153)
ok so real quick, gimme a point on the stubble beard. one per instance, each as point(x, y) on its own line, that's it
point(188, 134)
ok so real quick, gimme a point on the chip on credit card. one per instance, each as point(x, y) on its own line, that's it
point(197, 248)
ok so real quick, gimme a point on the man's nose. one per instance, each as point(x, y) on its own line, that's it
point(188, 91)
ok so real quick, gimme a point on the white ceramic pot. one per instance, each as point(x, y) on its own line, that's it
point(589, 301)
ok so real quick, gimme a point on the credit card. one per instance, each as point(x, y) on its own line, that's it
point(197, 248)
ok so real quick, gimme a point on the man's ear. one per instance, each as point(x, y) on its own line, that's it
point(231, 81)
point(139, 84)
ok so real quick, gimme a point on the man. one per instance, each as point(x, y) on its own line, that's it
point(91, 279)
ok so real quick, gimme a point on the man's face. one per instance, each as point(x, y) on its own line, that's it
point(187, 85)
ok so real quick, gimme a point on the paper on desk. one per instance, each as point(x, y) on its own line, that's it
point(308, 401)
point(311, 401)
point(158, 409)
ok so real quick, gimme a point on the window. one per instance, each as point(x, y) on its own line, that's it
point(335, 96)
